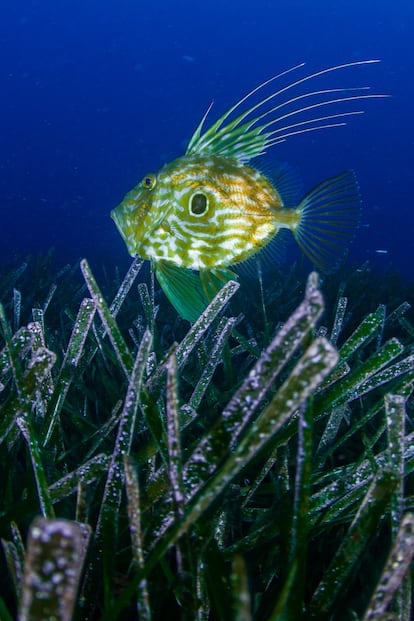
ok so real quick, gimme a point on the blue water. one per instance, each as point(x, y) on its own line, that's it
point(93, 95)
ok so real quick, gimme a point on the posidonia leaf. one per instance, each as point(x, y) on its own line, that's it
point(237, 470)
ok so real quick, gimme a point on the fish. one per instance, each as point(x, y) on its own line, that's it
point(209, 211)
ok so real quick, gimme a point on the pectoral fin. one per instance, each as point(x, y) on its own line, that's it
point(212, 280)
point(190, 292)
point(183, 289)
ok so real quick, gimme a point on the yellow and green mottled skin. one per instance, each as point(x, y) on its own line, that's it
point(242, 211)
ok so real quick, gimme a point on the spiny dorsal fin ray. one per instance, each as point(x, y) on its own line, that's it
point(247, 142)
point(241, 140)
point(212, 131)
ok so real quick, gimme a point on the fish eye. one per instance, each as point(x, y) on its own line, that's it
point(198, 204)
point(149, 182)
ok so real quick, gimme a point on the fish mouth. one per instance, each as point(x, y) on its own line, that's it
point(119, 219)
point(115, 218)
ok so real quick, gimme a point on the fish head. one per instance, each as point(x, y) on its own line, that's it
point(139, 212)
point(197, 212)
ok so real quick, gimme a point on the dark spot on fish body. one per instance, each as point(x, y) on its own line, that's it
point(198, 204)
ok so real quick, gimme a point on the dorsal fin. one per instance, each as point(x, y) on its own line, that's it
point(244, 138)
point(288, 183)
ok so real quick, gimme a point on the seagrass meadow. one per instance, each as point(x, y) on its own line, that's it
point(252, 466)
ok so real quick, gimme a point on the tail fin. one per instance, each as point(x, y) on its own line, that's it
point(329, 216)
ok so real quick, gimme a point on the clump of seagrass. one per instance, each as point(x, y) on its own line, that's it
point(209, 478)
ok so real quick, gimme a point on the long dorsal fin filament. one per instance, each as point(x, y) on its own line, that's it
point(243, 138)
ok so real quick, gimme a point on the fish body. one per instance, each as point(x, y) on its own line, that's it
point(209, 210)
point(205, 212)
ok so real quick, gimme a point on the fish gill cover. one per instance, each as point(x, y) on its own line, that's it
point(256, 464)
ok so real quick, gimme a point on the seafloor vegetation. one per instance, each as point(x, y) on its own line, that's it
point(253, 466)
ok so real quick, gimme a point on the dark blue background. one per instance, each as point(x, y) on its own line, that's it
point(95, 94)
